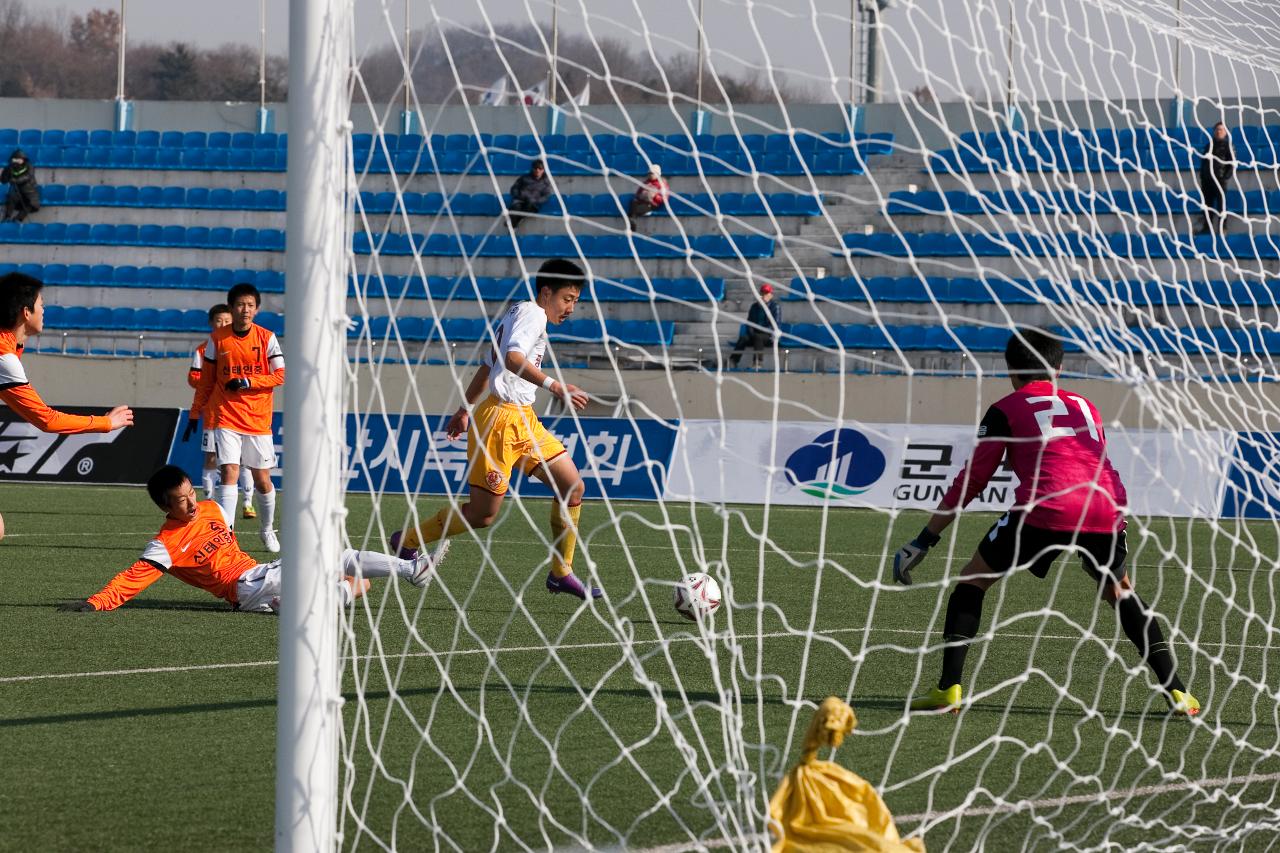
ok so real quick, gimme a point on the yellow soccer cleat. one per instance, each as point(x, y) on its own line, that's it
point(1183, 704)
point(249, 511)
point(938, 699)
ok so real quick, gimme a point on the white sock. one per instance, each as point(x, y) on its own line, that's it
point(210, 477)
point(345, 594)
point(266, 509)
point(227, 500)
point(373, 564)
point(246, 485)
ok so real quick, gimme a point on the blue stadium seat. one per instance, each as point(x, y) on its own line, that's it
point(98, 318)
point(173, 236)
point(53, 193)
point(221, 198)
point(272, 199)
point(54, 274)
point(74, 317)
point(151, 235)
point(126, 196)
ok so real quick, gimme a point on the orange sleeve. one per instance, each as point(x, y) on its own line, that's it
point(193, 377)
point(126, 585)
point(204, 389)
point(269, 380)
point(24, 400)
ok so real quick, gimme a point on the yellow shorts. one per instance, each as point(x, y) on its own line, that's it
point(503, 436)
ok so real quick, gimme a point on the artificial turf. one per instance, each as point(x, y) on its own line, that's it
point(511, 719)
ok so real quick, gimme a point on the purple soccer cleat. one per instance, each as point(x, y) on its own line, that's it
point(570, 584)
point(402, 553)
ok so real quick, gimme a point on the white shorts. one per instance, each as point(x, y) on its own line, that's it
point(258, 590)
point(236, 448)
point(206, 441)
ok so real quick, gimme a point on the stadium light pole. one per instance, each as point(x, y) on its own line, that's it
point(266, 123)
point(555, 51)
point(123, 117)
point(1177, 47)
point(309, 716)
point(853, 47)
point(702, 59)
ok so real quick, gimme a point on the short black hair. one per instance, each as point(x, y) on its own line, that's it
point(220, 308)
point(558, 273)
point(163, 481)
point(537, 164)
point(17, 291)
point(1033, 354)
point(243, 289)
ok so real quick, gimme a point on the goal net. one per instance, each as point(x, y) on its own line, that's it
point(912, 182)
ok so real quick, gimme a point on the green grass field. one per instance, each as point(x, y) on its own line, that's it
point(510, 719)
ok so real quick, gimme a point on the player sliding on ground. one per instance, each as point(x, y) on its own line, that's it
point(198, 547)
point(21, 316)
point(1069, 498)
point(504, 432)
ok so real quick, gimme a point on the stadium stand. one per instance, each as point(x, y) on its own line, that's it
point(135, 260)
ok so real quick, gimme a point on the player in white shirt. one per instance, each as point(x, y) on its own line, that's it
point(503, 432)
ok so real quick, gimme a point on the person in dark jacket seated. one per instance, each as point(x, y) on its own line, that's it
point(1216, 170)
point(529, 193)
point(24, 193)
point(764, 322)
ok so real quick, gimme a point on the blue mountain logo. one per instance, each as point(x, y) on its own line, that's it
point(836, 464)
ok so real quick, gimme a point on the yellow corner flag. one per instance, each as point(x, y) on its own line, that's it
point(820, 807)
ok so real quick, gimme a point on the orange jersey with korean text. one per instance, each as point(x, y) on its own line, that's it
point(16, 391)
point(256, 356)
point(202, 552)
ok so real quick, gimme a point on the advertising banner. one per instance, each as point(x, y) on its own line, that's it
point(887, 466)
point(411, 453)
point(124, 456)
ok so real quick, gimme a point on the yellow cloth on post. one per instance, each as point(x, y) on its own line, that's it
point(820, 807)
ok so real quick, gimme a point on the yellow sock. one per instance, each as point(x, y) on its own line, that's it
point(564, 529)
point(433, 529)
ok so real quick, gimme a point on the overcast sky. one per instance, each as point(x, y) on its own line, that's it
point(1063, 49)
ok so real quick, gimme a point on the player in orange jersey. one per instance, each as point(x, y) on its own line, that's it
point(243, 364)
point(198, 547)
point(219, 316)
point(22, 315)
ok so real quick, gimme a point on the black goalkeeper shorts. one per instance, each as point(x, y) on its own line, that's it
point(1011, 543)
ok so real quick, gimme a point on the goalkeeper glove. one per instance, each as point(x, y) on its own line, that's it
point(910, 555)
point(77, 607)
point(192, 423)
point(238, 385)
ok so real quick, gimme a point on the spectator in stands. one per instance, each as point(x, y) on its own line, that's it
point(764, 322)
point(1216, 170)
point(24, 193)
point(529, 193)
point(651, 195)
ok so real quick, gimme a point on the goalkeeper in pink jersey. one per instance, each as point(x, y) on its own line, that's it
point(1069, 498)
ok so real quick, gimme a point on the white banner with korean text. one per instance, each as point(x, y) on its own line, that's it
point(910, 466)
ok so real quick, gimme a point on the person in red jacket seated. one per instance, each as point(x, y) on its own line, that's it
point(651, 195)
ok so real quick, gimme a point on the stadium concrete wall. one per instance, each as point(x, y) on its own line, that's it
point(79, 381)
point(908, 121)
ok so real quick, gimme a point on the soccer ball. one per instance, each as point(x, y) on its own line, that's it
point(697, 594)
